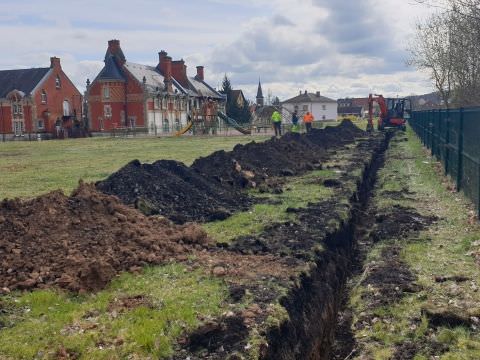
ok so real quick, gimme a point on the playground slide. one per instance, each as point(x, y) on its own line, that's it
point(184, 129)
point(234, 124)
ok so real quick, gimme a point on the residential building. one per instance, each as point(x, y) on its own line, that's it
point(157, 99)
point(239, 98)
point(322, 108)
point(346, 107)
point(39, 102)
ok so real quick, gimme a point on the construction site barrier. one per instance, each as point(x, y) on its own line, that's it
point(452, 135)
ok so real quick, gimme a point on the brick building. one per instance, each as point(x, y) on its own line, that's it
point(158, 99)
point(38, 101)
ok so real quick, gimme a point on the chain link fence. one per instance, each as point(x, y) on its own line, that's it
point(453, 136)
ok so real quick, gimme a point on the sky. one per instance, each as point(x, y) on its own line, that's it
point(338, 47)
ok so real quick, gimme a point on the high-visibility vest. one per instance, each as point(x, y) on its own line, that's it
point(308, 118)
point(276, 117)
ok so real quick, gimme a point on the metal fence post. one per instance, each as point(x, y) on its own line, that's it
point(447, 142)
point(460, 152)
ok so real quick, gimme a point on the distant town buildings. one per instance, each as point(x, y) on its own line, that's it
point(158, 98)
point(39, 102)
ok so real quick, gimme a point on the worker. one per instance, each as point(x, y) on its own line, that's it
point(308, 119)
point(295, 126)
point(277, 123)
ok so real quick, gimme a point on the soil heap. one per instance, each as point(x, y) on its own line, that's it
point(292, 154)
point(174, 190)
point(80, 242)
point(210, 189)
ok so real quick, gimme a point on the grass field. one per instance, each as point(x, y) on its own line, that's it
point(28, 169)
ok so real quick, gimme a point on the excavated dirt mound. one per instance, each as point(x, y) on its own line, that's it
point(292, 154)
point(81, 242)
point(174, 190)
point(209, 189)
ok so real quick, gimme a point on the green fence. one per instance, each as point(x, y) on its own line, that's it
point(453, 136)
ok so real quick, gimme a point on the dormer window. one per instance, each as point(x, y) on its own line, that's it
point(58, 84)
point(44, 97)
point(106, 92)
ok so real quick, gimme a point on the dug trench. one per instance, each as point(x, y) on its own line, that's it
point(315, 304)
point(314, 295)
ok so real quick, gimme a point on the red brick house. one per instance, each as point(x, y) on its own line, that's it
point(38, 101)
point(157, 99)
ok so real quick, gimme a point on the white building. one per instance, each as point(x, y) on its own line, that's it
point(321, 107)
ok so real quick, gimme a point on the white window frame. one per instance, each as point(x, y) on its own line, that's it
point(58, 83)
point(106, 92)
point(107, 111)
point(66, 109)
point(40, 124)
point(43, 97)
point(324, 107)
point(304, 107)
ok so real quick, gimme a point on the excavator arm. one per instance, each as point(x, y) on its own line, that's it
point(380, 100)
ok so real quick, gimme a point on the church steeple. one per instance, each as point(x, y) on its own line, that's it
point(259, 94)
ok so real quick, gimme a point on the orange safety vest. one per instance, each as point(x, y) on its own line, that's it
point(308, 118)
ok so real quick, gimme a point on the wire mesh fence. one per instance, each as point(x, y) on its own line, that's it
point(453, 136)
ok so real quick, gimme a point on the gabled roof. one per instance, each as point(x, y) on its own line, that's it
point(24, 80)
point(111, 71)
point(237, 93)
point(201, 88)
point(152, 76)
point(309, 98)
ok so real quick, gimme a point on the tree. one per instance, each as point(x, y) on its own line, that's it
point(239, 113)
point(446, 45)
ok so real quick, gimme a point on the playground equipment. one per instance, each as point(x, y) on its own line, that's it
point(233, 123)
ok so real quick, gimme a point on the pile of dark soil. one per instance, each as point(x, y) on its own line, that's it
point(171, 189)
point(400, 221)
point(210, 189)
point(292, 154)
point(80, 242)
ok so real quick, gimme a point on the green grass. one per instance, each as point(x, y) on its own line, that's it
point(298, 192)
point(441, 250)
point(28, 169)
point(43, 321)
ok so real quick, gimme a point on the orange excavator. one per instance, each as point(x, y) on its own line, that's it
point(394, 112)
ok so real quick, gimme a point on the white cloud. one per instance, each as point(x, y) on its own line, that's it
point(334, 47)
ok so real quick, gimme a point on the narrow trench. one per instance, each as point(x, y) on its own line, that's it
point(314, 306)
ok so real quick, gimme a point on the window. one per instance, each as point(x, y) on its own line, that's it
point(66, 108)
point(295, 108)
point(324, 107)
point(323, 117)
point(100, 120)
point(57, 82)
point(44, 97)
point(305, 107)
point(107, 111)
point(132, 120)
point(40, 124)
point(106, 92)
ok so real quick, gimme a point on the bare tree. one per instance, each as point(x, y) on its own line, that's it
point(447, 46)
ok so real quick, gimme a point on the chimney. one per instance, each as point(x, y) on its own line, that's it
point(200, 73)
point(161, 61)
point(167, 72)
point(179, 72)
point(318, 93)
point(55, 63)
point(115, 50)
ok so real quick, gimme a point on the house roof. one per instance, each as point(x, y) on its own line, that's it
point(237, 93)
point(203, 89)
point(350, 110)
point(309, 98)
point(111, 71)
point(24, 80)
point(152, 76)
